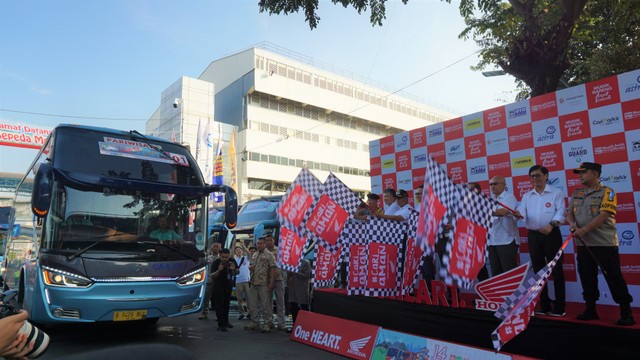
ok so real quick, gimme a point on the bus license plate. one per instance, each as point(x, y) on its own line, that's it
point(129, 315)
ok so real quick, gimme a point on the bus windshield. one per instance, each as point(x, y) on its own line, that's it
point(121, 221)
point(121, 156)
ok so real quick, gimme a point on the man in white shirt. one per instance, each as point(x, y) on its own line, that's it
point(389, 199)
point(503, 236)
point(242, 279)
point(403, 211)
point(543, 210)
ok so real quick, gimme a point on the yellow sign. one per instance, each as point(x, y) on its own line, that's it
point(129, 315)
point(523, 162)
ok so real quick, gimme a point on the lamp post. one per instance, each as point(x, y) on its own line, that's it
point(502, 72)
point(180, 102)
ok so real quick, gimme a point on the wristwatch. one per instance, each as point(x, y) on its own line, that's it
point(555, 223)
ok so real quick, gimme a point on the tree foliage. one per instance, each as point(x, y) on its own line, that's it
point(539, 42)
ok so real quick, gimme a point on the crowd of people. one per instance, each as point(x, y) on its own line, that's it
point(259, 283)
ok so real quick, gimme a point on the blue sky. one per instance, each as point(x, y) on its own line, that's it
point(112, 59)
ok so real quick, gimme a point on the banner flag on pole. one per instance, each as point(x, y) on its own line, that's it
point(439, 203)
point(218, 172)
point(414, 256)
point(293, 212)
point(517, 309)
point(467, 250)
point(326, 265)
point(198, 141)
point(233, 179)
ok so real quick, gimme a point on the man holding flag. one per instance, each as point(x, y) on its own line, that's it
point(592, 219)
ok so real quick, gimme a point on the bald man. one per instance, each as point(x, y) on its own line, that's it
point(503, 236)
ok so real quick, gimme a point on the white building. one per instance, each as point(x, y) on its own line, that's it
point(287, 114)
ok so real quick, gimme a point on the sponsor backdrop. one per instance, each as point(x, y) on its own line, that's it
point(597, 122)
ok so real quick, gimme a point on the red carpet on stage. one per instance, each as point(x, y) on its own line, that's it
point(546, 337)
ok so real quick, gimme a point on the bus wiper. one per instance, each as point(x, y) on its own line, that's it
point(136, 133)
point(170, 247)
point(77, 253)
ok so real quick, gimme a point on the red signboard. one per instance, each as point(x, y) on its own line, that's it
point(550, 156)
point(327, 219)
point(418, 138)
point(382, 266)
point(436, 151)
point(296, 205)
point(386, 145)
point(453, 129)
point(631, 114)
point(603, 92)
point(474, 146)
point(609, 148)
point(344, 337)
point(520, 137)
point(543, 107)
point(575, 126)
point(290, 247)
point(494, 119)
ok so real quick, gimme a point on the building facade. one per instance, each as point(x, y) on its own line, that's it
point(287, 114)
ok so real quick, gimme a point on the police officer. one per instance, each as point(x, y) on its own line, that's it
point(592, 218)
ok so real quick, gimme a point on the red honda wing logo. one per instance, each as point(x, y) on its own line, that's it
point(494, 290)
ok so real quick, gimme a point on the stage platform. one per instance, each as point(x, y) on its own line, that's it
point(546, 337)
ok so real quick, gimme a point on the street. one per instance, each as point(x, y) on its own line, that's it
point(199, 337)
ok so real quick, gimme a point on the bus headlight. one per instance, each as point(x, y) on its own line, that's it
point(194, 277)
point(56, 277)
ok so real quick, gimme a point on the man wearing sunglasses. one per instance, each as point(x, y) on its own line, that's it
point(543, 211)
point(592, 218)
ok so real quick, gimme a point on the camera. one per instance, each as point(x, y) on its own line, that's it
point(8, 307)
point(176, 102)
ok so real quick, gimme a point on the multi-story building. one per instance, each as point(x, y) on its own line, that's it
point(288, 112)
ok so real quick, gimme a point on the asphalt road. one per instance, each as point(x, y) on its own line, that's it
point(200, 337)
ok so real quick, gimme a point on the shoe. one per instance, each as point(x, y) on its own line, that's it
point(240, 317)
point(228, 326)
point(222, 328)
point(626, 321)
point(265, 329)
point(543, 311)
point(557, 313)
point(203, 317)
point(251, 326)
point(588, 315)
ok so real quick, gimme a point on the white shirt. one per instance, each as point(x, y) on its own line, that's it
point(404, 211)
point(541, 209)
point(391, 209)
point(244, 274)
point(505, 228)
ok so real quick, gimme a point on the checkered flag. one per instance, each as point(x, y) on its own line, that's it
point(385, 256)
point(466, 252)
point(439, 205)
point(312, 187)
point(293, 212)
point(355, 248)
point(325, 267)
point(336, 204)
point(413, 256)
point(517, 309)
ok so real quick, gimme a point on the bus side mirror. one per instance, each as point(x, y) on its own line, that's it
point(230, 208)
point(41, 195)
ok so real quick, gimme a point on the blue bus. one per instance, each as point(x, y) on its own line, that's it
point(112, 227)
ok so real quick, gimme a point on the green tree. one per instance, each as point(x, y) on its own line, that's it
point(539, 42)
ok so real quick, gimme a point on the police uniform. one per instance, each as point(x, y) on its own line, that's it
point(586, 204)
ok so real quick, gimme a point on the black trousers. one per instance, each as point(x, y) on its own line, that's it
point(609, 260)
point(295, 307)
point(222, 299)
point(543, 248)
point(503, 258)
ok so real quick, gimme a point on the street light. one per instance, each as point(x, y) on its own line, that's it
point(180, 102)
point(502, 72)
